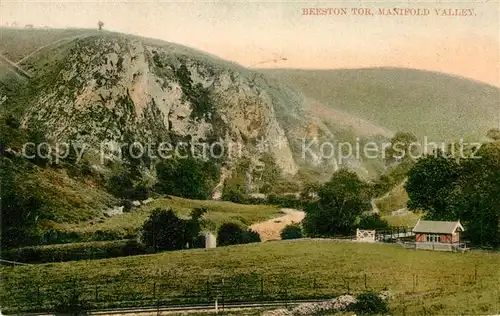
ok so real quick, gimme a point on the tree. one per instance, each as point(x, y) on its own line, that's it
point(292, 231)
point(193, 227)
point(250, 236)
point(234, 234)
point(474, 199)
point(234, 186)
point(467, 189)
point(369, 303)
point(21, 204)
point(126, 183)
point(165, 231)
point(341, 201)
point(190, 177)
point(429, 185)
point(234, 194)
point(229, 234)
point(100, 25)
point(309, 193)
point(270, 173)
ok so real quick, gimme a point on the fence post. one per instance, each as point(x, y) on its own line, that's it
point(38, 295)
point(261, 287)
point(286, 298)
point(75, 292)
point(366, 288)
point(208, 290)
point(223, 294)
point(346, 281)
point(154, 290)
point(475, 273)
point(315, 286)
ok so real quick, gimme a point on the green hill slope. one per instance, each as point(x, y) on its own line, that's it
point(435, 105)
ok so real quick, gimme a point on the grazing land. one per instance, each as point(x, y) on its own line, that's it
point(421, 282)
point(127, 224)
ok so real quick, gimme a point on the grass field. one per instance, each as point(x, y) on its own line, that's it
point(127, 224)
point(422, 282)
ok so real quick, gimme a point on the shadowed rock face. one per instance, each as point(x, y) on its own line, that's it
point(118, 89)
point(114, 89)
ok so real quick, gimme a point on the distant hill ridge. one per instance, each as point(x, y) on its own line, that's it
point(440, 106)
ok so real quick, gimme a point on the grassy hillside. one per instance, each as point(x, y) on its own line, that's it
point(445, 281)
point(408, 220)
point(17, 43)
point(126, 225)
point(431, 104)
point(393, 200)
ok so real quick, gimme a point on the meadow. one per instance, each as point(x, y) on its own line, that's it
point(421, 282)
point(126, 225)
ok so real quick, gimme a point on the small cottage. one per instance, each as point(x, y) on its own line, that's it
point(438, 235)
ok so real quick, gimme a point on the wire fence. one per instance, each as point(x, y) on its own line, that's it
point(48, 296)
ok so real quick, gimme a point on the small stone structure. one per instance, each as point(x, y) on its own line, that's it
point(210, 240)
point(365, 235)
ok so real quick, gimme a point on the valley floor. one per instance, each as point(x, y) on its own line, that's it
point(421, 282)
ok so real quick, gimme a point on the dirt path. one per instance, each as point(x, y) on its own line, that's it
point(270, 230)
point(374, 201)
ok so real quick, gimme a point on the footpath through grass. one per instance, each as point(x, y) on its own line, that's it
point(423, 282)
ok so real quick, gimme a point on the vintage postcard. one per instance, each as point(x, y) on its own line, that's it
point(246, 157)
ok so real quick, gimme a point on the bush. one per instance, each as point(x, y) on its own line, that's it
point(289, 201)
point(71, 304)
point(76, 251)
point(233, 234)
point(293, 231)
point(190, 178)
point(369, 303)
point(250, 236)
point(165, 231)
point(229, 234)
point(234, 195)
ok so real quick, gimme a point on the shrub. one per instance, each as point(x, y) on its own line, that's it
point(229, 234)
point(71, 303)
point(233, 234)
point(369, 303)
point(76, 251)
point(292, 231)
point(165, 231)
point(250, 236)
point(290, 201)
point(191, 178)
point(234, 195)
